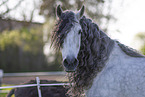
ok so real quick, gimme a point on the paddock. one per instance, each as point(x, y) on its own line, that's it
point(16, 80)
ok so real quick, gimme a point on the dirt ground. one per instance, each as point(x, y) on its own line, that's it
point(21, 80)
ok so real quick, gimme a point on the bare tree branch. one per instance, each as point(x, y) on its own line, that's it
point(32, 13)
point(4, 2)
point(8, 10)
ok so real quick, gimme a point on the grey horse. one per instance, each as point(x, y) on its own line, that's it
point(98, 66)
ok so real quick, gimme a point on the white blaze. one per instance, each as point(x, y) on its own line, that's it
point(71, 45)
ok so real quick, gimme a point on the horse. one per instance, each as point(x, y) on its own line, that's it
point(97, 65)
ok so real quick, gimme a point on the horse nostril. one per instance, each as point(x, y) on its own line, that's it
point(70, 64)
point(65, 62)
point(68, 61)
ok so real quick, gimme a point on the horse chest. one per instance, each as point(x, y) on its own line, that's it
point(122, 77)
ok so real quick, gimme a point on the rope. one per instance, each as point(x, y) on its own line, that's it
point(33, 85)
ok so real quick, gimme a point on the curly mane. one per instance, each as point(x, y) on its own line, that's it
point(94, 52)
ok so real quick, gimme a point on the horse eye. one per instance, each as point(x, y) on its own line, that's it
point(80, 31)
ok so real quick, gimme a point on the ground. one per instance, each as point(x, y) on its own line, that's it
point(20, 80)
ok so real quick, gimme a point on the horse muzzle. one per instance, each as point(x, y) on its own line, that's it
point(70, 64)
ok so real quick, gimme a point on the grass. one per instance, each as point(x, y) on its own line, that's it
point(5, 94)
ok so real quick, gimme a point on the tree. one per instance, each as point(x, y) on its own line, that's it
point(95, 9)
point(18, 10)
point(22, 51)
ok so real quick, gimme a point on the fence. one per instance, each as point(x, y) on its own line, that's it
point(1, 76)
point(33, 74)
point(38, 85)
point(10, 78)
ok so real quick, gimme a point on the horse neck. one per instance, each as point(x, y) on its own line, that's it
point(105, 47)
point(116, 52)
point(94, 52)
point(96, 48)
point(117, 56)
point(95, 39)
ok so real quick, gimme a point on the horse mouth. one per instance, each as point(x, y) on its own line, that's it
point(70, 67)
point(70, 70)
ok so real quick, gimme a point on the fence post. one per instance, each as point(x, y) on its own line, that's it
point(1, 77)
point(38, 86)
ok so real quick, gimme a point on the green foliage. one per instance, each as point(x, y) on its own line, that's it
point(143, 49)
point(22, 50)
point(23, 38)
point(141, 37)
point(4, 95)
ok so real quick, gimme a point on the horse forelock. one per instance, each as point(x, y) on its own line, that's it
point(62, 27)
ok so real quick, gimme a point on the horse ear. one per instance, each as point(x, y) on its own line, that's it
point(59, 11)
point(81, 12)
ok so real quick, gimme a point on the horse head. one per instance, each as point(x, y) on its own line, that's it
point(72, 40)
